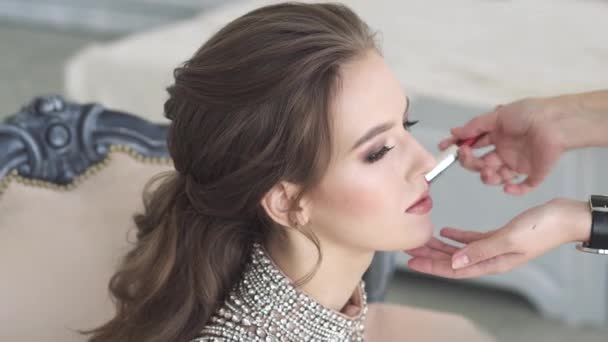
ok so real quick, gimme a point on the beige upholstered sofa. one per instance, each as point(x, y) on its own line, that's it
point(71, 179)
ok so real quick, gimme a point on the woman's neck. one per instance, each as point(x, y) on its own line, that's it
point(335, 281)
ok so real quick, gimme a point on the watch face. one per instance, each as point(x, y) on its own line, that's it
point(599, 201)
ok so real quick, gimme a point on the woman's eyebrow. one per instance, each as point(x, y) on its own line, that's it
point(373, 132)
point(379, 128)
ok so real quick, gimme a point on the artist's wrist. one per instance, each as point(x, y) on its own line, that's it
point(567, 119)
point(582, 118)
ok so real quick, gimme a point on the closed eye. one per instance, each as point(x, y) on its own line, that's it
point(407, 124)
point(375, 156)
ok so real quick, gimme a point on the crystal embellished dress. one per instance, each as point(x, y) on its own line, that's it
point(265, 306)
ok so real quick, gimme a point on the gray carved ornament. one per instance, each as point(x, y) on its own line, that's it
point(54, 141)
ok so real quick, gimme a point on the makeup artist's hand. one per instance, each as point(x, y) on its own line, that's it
point(530, 135)
point(528, 235)
point(528, 138)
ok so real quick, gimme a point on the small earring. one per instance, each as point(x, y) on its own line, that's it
point(297, 224)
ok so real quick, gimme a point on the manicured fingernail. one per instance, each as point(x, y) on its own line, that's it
point(460, 262)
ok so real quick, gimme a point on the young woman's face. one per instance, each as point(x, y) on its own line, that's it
point(369, 198)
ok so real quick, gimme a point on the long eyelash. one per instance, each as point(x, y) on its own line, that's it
point(407, 124)
point(374, 157)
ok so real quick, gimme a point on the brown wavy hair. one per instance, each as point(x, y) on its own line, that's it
point(251, 108)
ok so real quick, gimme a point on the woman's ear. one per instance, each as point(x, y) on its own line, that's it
point(277, 201)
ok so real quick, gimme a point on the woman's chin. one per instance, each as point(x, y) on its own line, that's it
point(419, 236)
point(409, 239)
point(421, 241)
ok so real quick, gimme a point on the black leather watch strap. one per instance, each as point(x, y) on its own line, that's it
point(599, 222)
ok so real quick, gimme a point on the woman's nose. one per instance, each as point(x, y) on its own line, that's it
point(423, 161)
point(429, 160)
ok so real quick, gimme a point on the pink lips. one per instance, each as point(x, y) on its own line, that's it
point(422, 206)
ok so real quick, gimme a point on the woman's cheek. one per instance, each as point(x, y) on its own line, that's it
point(359, 197)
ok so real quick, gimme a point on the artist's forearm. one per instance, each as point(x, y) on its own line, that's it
point(586, 118)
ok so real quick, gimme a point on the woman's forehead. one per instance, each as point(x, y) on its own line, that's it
point(368, 95)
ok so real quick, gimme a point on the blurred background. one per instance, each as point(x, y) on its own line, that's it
point(456, 59)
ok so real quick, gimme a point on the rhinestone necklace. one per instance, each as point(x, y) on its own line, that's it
point(265, 306)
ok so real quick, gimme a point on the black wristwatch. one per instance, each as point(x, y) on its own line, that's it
point(598, 241)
